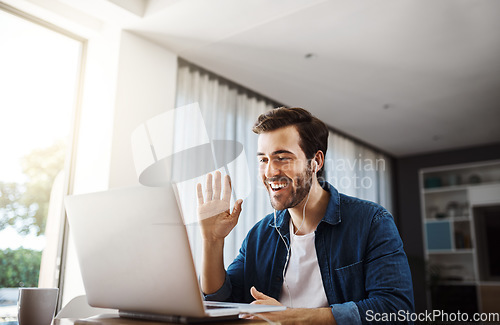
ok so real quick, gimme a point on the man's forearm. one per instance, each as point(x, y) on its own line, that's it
point(292, 316)
point(213, 273)
point(321, 316)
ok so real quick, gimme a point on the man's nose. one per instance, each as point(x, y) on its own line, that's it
point(272, 170)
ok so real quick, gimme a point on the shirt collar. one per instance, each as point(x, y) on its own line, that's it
point(332, 215)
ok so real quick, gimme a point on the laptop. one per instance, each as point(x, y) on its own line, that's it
point(134, 255)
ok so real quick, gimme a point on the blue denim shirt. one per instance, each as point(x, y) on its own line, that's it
point(360, 254)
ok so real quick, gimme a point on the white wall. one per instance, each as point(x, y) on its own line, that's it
point(147, 75)
point(91, 171)
point(128, 80)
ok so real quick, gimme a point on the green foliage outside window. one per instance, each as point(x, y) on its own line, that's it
point(19, 268)
point(25, 206)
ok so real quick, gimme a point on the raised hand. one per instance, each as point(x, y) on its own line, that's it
point(262, 299)
point(213, 211)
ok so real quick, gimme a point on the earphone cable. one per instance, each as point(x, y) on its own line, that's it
point(289, 248)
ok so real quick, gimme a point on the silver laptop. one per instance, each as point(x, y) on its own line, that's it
point(134, 256)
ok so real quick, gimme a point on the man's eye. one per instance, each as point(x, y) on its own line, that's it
point(283, 158)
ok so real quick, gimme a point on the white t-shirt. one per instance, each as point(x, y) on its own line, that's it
point(303, 283)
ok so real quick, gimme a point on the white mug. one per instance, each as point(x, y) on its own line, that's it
point(36, 306)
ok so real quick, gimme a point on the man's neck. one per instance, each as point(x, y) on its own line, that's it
point(315, 210)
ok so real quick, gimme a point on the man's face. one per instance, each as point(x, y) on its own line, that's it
point(283, 167)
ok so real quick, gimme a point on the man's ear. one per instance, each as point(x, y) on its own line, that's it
point(318, 161)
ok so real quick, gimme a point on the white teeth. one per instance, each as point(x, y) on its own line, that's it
point(277, 186)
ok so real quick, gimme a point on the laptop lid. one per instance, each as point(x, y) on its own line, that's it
point(134, 251)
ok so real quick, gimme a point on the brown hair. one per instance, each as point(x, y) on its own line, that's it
point(312, 131)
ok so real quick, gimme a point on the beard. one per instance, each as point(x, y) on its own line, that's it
point(299, 188)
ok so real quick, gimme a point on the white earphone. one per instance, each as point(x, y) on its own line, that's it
point(315, 168)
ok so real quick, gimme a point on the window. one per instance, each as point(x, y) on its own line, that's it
point(39, 76)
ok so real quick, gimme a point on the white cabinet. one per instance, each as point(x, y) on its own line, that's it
point(485, 195)
point(450, 198)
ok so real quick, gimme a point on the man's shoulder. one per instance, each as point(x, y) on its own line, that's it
point(356, 207)
point(347, 201)
point(356, 201)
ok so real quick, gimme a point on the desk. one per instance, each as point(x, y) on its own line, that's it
point(115, 320)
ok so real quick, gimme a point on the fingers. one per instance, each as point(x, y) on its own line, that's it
point(237, 208)
point(254, 292)
point(208, 188)
point(262, 302)
point(199, 192)
point(257, 294)
point(217, 185)
point(213, 189)
point(226, 196)
point(262, 299)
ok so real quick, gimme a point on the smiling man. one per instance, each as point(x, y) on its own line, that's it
point(331, 258)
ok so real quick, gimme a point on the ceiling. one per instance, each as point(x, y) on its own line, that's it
point(405, 76)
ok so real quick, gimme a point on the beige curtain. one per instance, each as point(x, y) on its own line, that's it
point(229, 112)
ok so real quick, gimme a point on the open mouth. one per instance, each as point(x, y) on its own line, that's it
point(275, 187)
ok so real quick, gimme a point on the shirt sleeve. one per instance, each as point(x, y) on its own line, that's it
point(346, 313)
point(387, 275)
point(223, 294)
